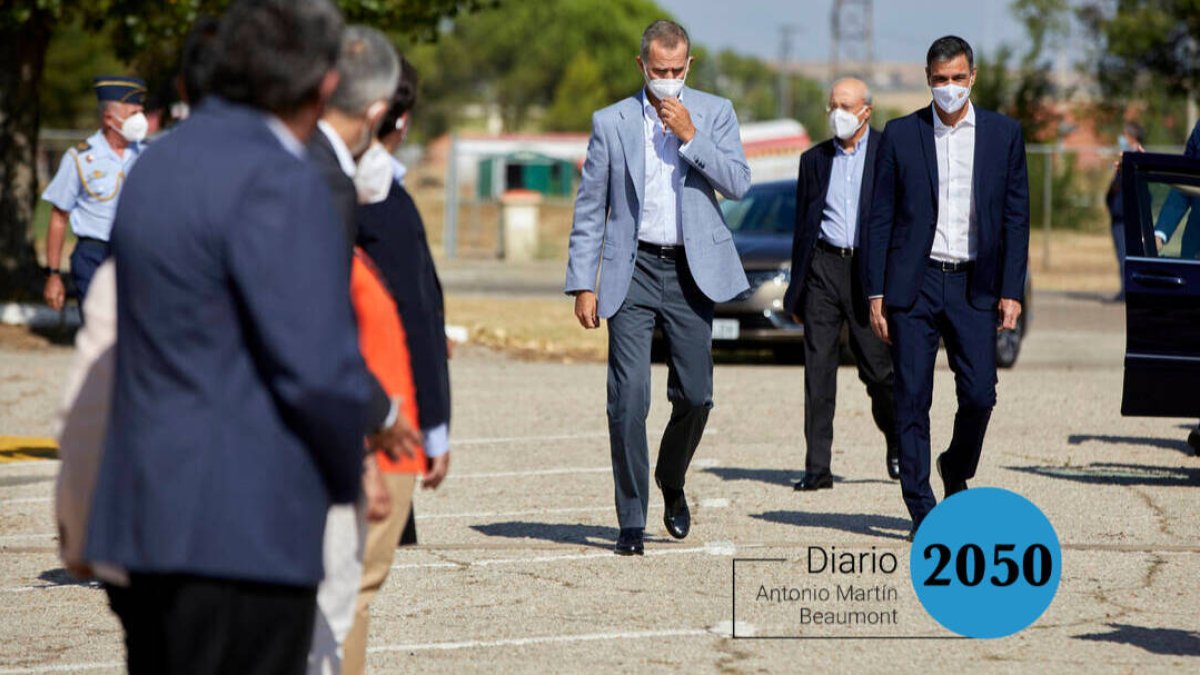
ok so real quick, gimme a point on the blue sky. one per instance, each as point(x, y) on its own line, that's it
point(903, 28)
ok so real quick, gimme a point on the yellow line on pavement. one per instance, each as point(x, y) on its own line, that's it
point(26, 448)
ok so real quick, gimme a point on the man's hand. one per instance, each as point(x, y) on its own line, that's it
point(398, 440)
point(438, 468)
point(1009, 311)
point(797, 318)
point(54, 292)
point(1159, 243)
point(449, 348)
point(676, 117)
point(379, 502)
point(879, 320)
point(585, 309)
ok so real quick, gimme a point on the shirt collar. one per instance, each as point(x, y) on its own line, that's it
point(940, 127)
point(345, 159)
point(858, 147)
point(284, 135)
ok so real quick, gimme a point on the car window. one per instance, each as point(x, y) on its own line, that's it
point(764, 210)
point(1172, 203)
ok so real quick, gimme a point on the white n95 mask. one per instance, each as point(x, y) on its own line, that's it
point(844, 124)
point(951, 97)
point(373, 176)
point(134, 128)
point(666, 87)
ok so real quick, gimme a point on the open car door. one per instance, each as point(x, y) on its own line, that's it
point(1162, 285)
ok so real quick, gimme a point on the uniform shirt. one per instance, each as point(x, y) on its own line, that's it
point(660, 221)
point(88, 184)
point(839, 219)
point(955, 237)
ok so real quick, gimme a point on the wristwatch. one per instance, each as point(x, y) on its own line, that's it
point(52, 270)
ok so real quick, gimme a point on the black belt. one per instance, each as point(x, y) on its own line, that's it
point(91, 240)
point(946, 266)
point(836, 250)
point(662, 252)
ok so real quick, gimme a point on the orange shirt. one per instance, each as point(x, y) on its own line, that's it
point(384, 347)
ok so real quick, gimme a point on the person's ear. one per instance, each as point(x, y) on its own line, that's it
point(328, 85)
point(376, 112)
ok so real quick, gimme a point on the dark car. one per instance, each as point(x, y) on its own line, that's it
point(762, 223)
point(1162, 288)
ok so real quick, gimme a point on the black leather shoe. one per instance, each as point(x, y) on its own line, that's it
point(949, 485)
point(676, 515)
point(630, 542)
point(808, 483)
point(893, 463)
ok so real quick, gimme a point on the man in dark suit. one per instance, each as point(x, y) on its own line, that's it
point(240, 400)
point(948, 249)
point(828, 289)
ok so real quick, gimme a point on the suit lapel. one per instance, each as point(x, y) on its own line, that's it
point(633, 144)
point(825, 167)
point(925, 128)
point(868, 184)
point(976, 165)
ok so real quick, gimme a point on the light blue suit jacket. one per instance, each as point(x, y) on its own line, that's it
point(608, 207)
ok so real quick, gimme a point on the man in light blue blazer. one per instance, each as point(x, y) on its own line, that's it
point(649, 246)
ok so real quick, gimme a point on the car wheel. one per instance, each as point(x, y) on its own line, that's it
point(1008, 345)
point(1194, 440)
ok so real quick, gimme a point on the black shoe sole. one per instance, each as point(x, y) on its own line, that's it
point(627, 552)
point(819, 486)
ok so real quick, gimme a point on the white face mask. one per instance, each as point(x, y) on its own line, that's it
point(373, 175)
point(844, 124)
point(664, 88)
point(951, 97)
point(134, 128)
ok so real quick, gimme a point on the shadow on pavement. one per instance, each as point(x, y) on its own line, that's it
point(871, 525)
point(1166, 641)
point(1164, 443)
point(60, 577)
point(777, 476)
point(1118, 474)
point(562, 533)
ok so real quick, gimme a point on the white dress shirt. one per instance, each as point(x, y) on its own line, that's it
point(839, 218)
point(955, 238)
point(660, 223)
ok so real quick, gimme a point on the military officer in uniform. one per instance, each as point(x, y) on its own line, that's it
point(84, 192)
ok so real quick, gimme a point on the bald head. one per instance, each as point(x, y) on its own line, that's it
point(849, 91)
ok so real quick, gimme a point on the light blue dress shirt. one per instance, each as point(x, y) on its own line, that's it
point(839, 220)
point(88, 185)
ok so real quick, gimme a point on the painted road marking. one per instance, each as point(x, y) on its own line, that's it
point(539, 640)
point(27, 448)
point(721, 548)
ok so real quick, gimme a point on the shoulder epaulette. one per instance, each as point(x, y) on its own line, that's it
point(83, 146)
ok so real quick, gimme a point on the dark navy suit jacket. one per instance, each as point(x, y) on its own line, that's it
point(240, 396)
point(393, 234)
point(812, 185)
point(905, 208)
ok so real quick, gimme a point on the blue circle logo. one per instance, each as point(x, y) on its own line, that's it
point(986, 563)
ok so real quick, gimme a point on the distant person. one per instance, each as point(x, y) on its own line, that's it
point(949, 246)
point(1130, 140)
point(647, 208)
point(87, 188)
point(1176, 206)
point(829, 270)
point(240, 402)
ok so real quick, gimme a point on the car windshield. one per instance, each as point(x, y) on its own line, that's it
point(766, 209)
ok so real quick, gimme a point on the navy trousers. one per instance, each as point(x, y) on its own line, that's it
point(85, 260)
point(662, 292)
point(942, 310)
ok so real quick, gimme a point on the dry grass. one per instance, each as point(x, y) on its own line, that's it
point(529, 328)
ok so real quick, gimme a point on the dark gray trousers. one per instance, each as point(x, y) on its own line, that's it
point(662, 291)
point(833, 299)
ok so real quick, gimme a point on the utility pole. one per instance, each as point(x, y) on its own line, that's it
point(786, 32)
point(852, 40)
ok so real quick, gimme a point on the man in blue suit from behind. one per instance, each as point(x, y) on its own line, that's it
point(240, 400)
point(948, 250)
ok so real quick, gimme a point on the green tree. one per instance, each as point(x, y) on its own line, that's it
point(1146, 51)
point(146, 33)
point(578, 94)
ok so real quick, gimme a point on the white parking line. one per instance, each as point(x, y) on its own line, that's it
point(31, 535)
point(548, 437)
point(720, 548)
point(67, 668)
point(539, 640)
point(26, 500)
point(705, 462)
point(530, 512)
point(49, 587)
